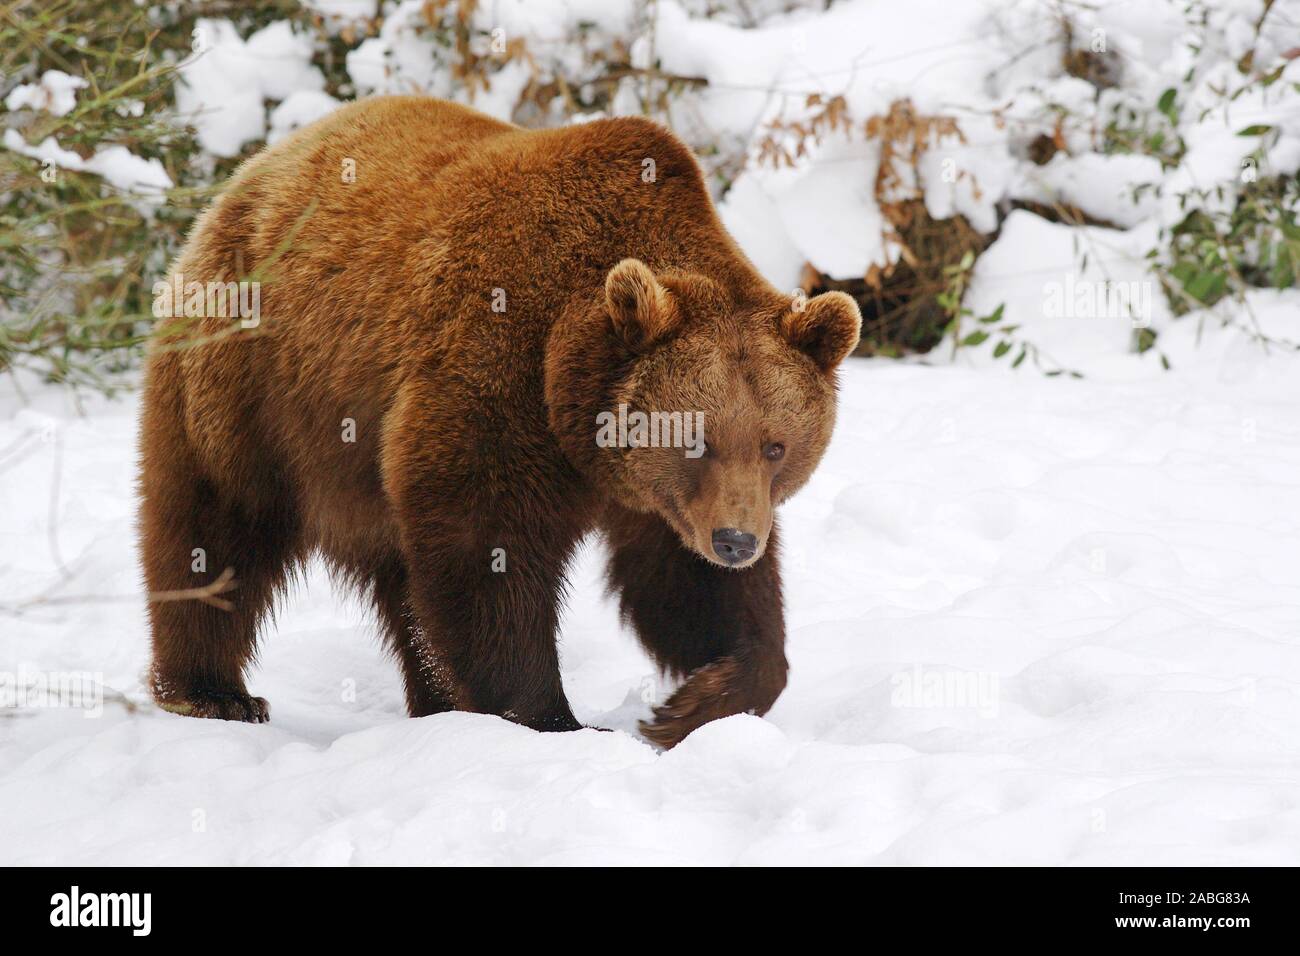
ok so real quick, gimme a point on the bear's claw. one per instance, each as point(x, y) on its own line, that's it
point(221, 705)
point(706, 695)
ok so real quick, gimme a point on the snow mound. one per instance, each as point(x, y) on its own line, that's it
point(1031, 620)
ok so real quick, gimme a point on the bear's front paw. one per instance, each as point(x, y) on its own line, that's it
point(552, 722)
point(710, 692)
point(221, 705)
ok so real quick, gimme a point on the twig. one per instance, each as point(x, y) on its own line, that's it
point(207, 594)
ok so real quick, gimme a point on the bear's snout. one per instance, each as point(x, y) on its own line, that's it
point(734, 546)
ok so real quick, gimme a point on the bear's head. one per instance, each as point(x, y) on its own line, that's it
point(673, 397)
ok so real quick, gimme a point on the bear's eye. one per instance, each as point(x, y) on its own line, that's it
point(774, 451)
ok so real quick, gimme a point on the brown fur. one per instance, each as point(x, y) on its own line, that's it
point(475, 429)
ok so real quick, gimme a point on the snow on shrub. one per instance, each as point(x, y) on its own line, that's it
point(862, 145)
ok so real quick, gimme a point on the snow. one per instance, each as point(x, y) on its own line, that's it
point(224, 83)
point(338, 14)
point(757, 77)
point(117, 164)
point(996, 68)
point(401, 59)
point(754, 220)
point(1031, 620)
point(56, 93)
point(1077, 292)
point(299, 109)
point(842, 244)
point(992, 65)
point(1100, 185)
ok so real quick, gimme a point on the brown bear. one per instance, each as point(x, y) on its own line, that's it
point(452, 311)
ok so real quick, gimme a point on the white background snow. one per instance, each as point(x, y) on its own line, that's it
point(1031, 619)
point(1110, 565)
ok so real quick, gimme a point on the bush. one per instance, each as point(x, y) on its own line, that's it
point(96, 192)
point(101, 176)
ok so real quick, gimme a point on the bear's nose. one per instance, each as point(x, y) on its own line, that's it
point(734, 546)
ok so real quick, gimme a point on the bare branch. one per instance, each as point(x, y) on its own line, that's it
point(208, 594)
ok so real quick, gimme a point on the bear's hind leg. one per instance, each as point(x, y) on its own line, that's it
point(722, 630)
point(428, 680)
point(201, 648)
point(190, 534)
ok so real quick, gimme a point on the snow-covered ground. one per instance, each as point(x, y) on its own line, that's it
point(1032, 620)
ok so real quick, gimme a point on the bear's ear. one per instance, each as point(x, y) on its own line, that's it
point(640, 308)
point(826, 329)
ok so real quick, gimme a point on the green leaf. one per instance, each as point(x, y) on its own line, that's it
point(1019, 358)
point(1166, 104)
point(1206, 286)
point(1257, 130)
point(995, 316)
point(975, 338)
point(1282, 276)
point(1001, 349)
